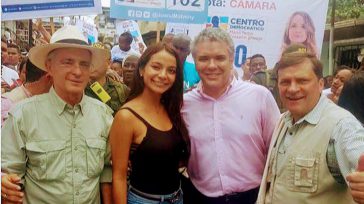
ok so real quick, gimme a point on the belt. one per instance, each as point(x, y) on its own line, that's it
point(249, 196)
point(172, 198)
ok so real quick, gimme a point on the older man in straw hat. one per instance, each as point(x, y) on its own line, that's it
point(55, 146)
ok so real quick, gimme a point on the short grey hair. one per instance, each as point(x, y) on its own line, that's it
point(214, 34)
point(51, 55)
point(181, 39)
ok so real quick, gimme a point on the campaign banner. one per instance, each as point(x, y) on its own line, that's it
point(266, 27)
point(88, 29)
point(179, 11)
point(28, 9)
point(191, 30)
point(132, 27)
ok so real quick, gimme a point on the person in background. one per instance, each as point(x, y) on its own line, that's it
point(168, 38)
point(361, 59)
point(38, 25)
point(327, 91)
point(128, 68)
point(149, 132)
point(9, 76)
point(246, 69)
point(123, 48)
point(117, 91)
point(257, 63)
point(36, 82)
point(181, 43)
point(229, 148)
point(343, 74)
point(352, 96)
point(300, 29)
point(23, 53)
point(265, 77)
point(4, 51)
point(55, 146)
point(22, 70)
point(117, 66)
point(315, 145)
point(328, 82)
point(108, 45)
point(14, 56)
point(259, 73)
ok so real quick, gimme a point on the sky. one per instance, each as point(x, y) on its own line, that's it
point(105, 3)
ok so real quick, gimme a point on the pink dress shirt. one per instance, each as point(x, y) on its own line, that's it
point(230, 137)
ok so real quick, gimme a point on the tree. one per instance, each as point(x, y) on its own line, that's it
point(346, 9)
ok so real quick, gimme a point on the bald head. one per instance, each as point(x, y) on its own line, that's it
point(181, 42)
point(167, 39)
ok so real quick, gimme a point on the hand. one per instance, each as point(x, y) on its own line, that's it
point(5, 87)
point(356, 182)
point(336, 94)
point(113, 75)
point(10, 189)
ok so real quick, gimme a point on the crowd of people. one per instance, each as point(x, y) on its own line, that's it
point(85, 124)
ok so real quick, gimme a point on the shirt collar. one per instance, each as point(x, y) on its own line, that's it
point(26, 91)
point(313, 116)
point(199, 87)
point(61, 105)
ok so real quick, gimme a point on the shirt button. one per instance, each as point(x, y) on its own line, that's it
point(77, 193)
point(76, 148)
point(74, 125)
point(76, 170)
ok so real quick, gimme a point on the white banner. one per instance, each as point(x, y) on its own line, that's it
point(28, 9)
point(181, 11)
point(265, 27)
point(89, 29)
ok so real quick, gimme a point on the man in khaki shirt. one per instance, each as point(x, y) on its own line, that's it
point(315, 152)
point(55, 146)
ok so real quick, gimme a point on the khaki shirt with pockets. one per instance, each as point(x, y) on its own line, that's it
point(62, 153)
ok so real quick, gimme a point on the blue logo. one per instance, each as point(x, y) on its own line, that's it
point(218, 22)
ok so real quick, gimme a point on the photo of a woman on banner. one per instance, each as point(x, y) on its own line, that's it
point(300, 29)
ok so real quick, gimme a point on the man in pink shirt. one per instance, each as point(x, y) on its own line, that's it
point(230, 123)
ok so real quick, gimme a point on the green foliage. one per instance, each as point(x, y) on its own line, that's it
point(346, 9)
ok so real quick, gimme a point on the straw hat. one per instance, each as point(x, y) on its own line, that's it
point(295, 48)
point(67, 37)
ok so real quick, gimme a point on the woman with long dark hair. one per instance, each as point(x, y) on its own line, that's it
point(149, 132)
point(352, 96)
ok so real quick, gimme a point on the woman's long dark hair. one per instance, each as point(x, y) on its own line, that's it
point(172, 99)
point(352, 96)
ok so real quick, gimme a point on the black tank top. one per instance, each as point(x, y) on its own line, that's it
point(154, 162)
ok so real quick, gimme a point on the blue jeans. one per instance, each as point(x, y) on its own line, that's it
point(136, 199)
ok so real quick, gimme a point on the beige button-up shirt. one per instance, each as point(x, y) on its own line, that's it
point(62, 153)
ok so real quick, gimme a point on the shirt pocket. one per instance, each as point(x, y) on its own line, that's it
point(46, 159)
point(95, 156)
point(305, 175)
